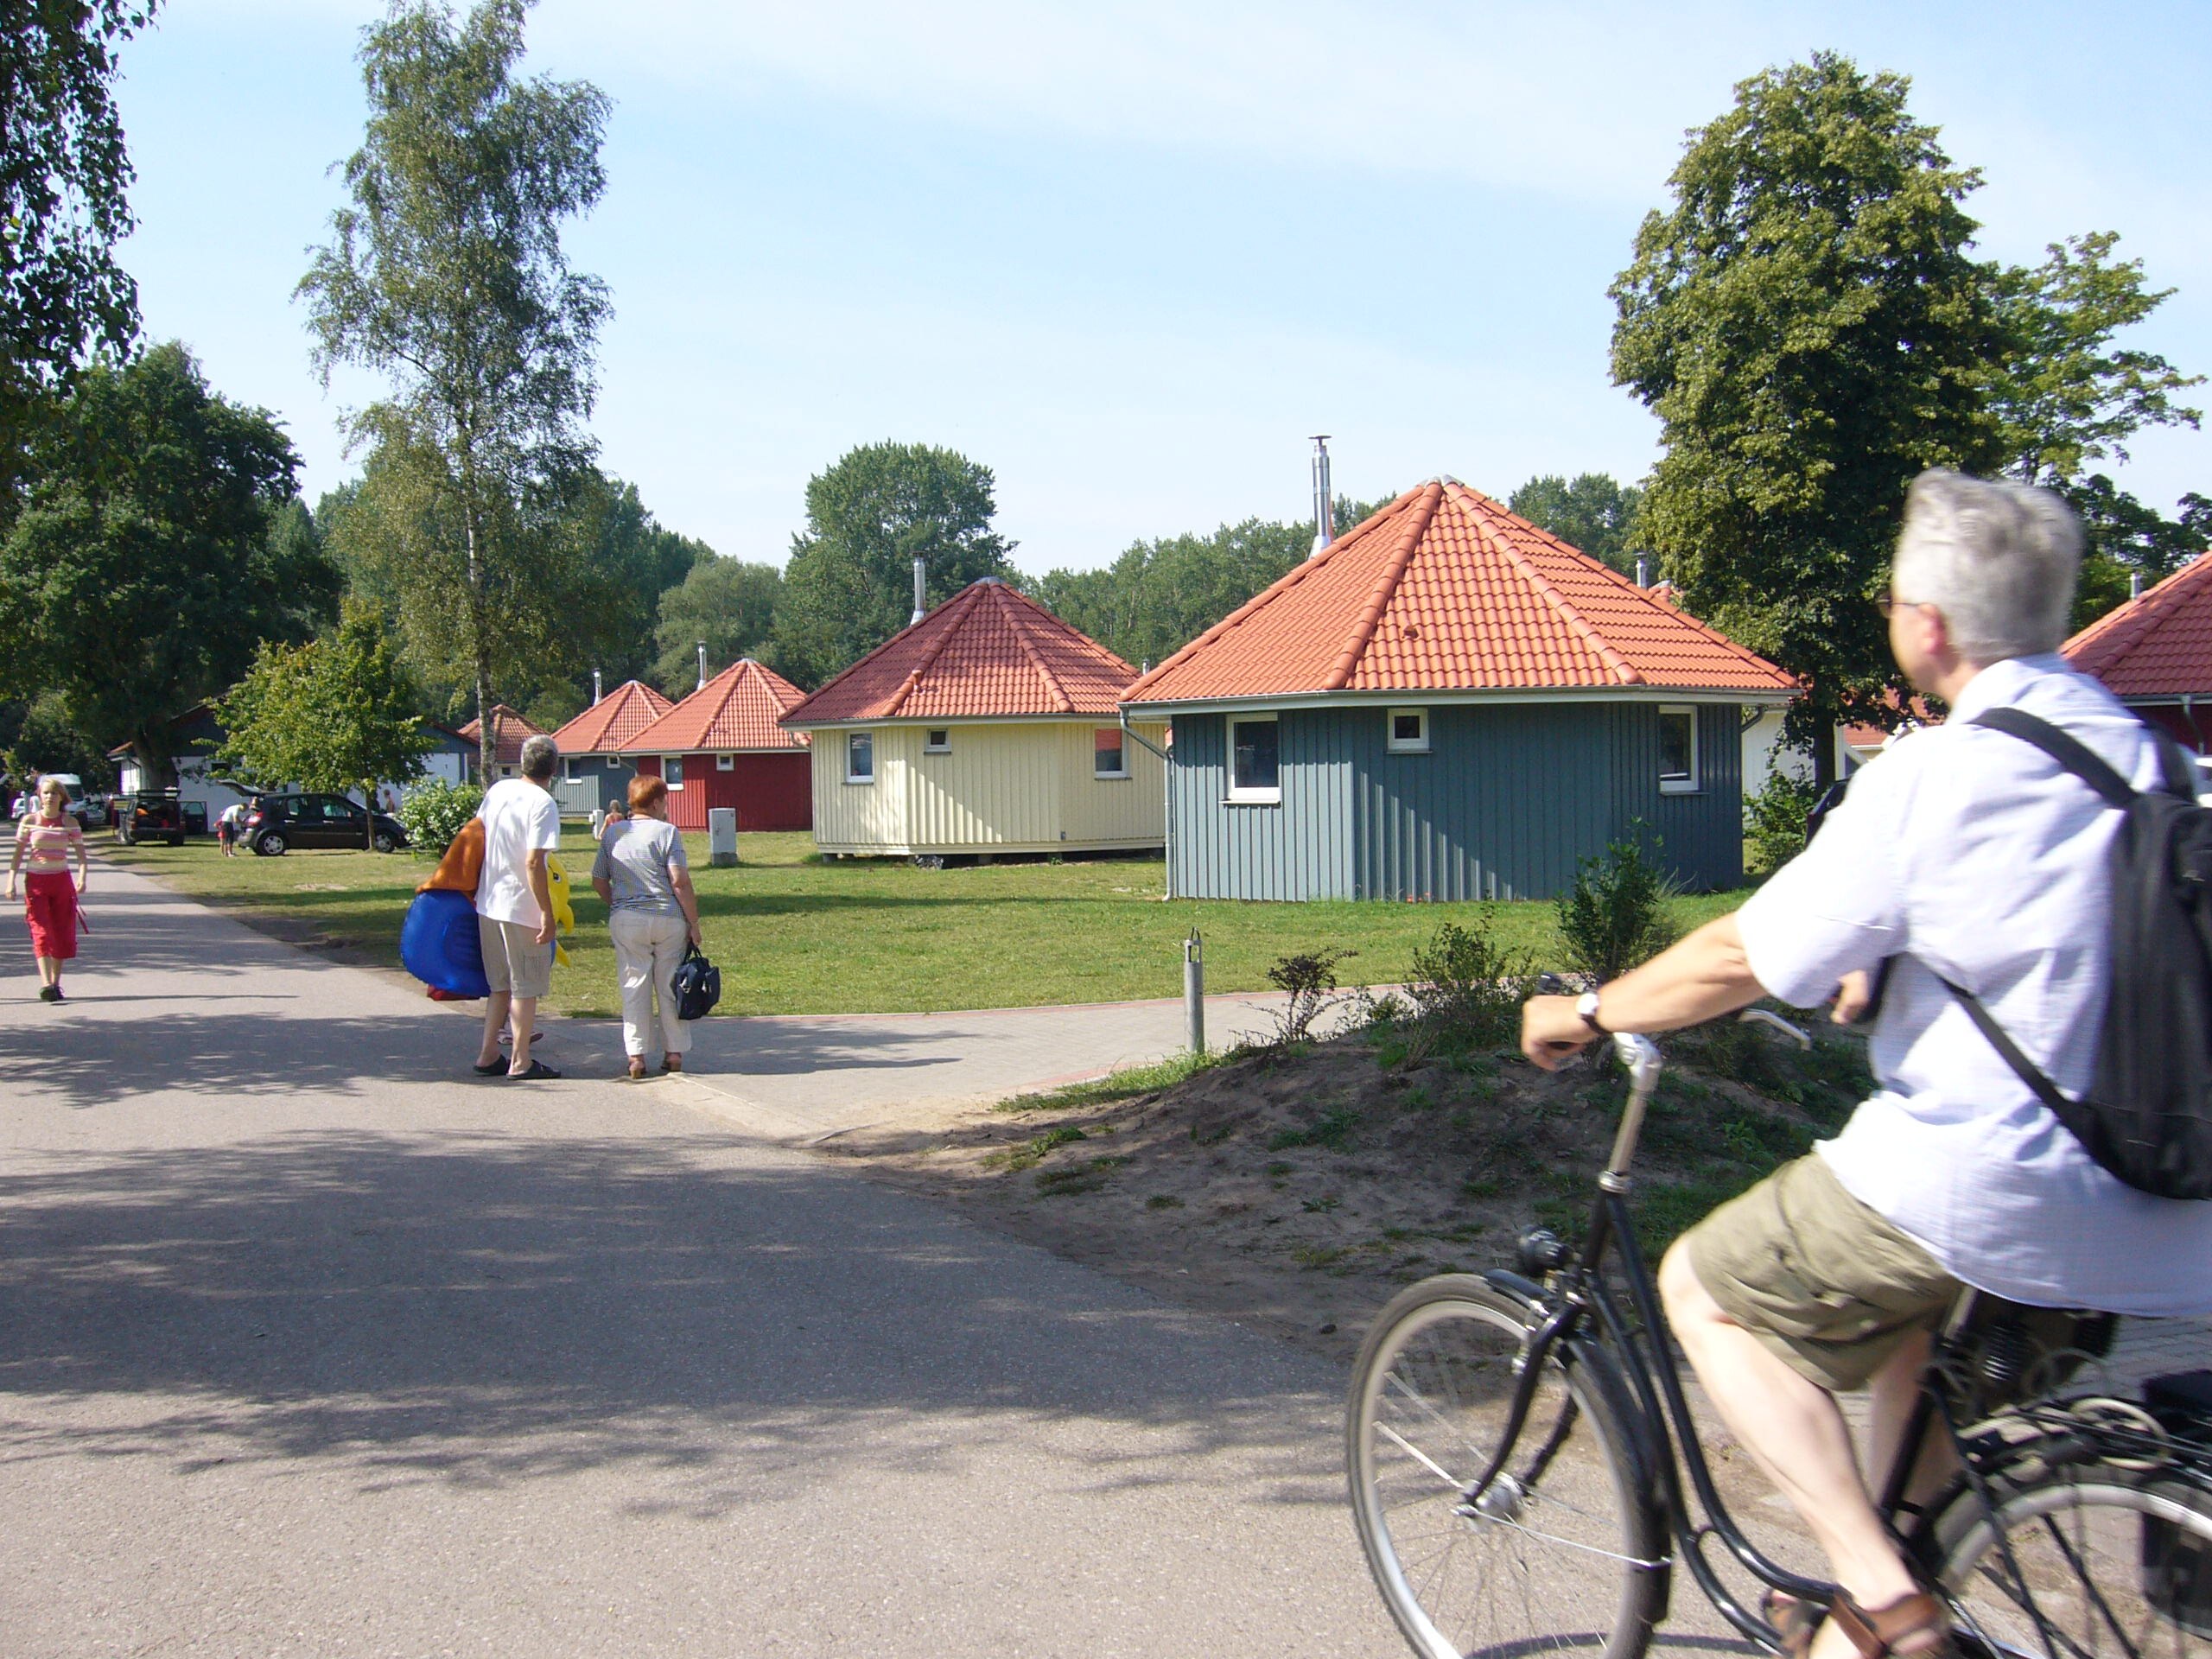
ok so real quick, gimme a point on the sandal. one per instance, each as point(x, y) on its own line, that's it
point(1876, 1632)
point(671, 1065)
point(490, 1070)
point(1795, 1621)
point(637, 1068)
point(538, 1072)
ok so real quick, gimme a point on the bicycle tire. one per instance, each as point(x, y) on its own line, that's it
point(1527, 1577)
point(2099, 1547)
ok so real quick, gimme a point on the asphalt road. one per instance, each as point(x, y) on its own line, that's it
point(312, 1343)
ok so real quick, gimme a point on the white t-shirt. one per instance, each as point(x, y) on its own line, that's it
point(1966, 852)
point(520, 819)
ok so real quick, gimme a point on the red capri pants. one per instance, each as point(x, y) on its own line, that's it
point(51, 902)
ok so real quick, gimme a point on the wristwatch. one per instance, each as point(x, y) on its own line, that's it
point(1586, 1005)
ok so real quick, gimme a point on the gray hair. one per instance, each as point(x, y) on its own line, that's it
point(1998, 559)
point(539, 754)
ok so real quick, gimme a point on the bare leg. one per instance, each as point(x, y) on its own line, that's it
point(495, 1015)
point(1792, 1428)
point(1896, 1389)
point(523, 1021)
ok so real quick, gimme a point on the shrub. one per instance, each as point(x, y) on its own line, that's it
point(434, 813)
point(1308, 979)
point(1465, 982)
point(1615, 915)
point(1774, 823)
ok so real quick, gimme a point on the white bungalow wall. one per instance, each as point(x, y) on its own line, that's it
point(1008, 786)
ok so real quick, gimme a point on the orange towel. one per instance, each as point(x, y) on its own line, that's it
point(462, 867)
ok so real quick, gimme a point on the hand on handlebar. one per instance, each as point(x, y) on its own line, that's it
point(1853, 993)
point(1552, 1033)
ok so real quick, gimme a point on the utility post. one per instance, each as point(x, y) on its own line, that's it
point(1194, 990)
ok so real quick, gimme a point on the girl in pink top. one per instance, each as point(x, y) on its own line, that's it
point(45, 841)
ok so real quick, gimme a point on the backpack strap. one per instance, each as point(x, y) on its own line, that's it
point(2041, 1087)
point(2072, 754)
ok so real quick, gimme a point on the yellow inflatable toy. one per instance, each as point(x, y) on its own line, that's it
point(564, 913)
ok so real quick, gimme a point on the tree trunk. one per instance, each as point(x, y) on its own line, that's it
point(1824, 746)
point(480, 648)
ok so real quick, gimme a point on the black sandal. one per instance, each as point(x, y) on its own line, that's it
point(495, 1069)
point(538, 1072)
point(1876, 1631)
point(1795, 1621)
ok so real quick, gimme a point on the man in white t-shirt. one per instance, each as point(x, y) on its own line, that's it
point(514, 907)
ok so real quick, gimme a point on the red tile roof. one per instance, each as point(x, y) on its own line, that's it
point(739, 708)
point(614, 720)
point(988, 650)
point(2158, 644)
point(510, 731)
point(1445, 590)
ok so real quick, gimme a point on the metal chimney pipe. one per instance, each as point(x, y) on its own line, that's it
point(921, 589)
point(702, 665)
point(1643, 571)
point(595, 692)
point(2135, 584)
point(1325, 500)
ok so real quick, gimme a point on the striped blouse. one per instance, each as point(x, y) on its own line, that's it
point(43, 848)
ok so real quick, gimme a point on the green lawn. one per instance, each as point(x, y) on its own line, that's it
point(793, 935)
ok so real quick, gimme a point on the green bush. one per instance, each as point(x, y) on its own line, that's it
point(1469, 986)
point(434, 813)
point(1774, 823)
point(1309, 979)
point(1615, 915)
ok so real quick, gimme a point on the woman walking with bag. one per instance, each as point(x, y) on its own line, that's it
point(45, 842)
point(643, 874)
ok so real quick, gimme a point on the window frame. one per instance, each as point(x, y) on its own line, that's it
point(1251, 794)
point(1121, 771)
point(725, 763)
point(865, 737)
point(1395, 745)
point(671, 771)
point(567, 768)
point(1689, 782)
point(937, 740)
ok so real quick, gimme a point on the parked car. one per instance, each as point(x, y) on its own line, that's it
point(277, 823)
point(94, 811)
point(79, 807)
point(150, 814)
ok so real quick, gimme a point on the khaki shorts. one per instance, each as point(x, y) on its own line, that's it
point(1818, 1277)
point(513, 959)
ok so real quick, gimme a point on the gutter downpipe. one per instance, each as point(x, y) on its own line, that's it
point(1168, 792)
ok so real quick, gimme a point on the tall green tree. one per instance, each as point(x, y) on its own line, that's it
point(849, 584)
point(728, 606)
point(1591, 512)
point(1161, 595)
point(335, 714)
point(64, 172)
point(446, 274)
point(142, 571)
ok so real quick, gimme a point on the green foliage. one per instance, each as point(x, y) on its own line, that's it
point(1028, 1154)
point(1160, 595)
point(1307, 978)
point(1592, 513)
point(36, 737)
point(1467, 988)
point(729, 605)
point(2123, 537)
point(435, 811)
point(1124, 1084)
point(329, 715)
point(141, 571)
point(849, 584)
point(446, 274)
point(63, 175)
point(1615, 915)
point(1774, 821)
point(1330, 1132)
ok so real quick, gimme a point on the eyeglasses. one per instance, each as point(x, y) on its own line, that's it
point(1887, 605)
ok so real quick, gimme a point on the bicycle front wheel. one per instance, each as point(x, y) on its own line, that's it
point(2107, 1560)
point(1564, 1550)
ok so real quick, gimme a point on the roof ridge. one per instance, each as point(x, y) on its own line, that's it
point(1020, 625)
point(1370, 615)
point(1283, 584)
point(1620, 667)
point(955, 612)
point(1040, 613)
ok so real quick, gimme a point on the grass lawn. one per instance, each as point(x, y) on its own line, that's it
point(793, 935)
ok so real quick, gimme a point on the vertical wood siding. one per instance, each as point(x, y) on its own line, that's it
point(1300, 847)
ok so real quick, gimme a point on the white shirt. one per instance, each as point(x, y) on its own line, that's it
point(1968, 851)
point(520, 819)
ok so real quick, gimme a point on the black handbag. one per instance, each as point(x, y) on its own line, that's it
point(697, 985)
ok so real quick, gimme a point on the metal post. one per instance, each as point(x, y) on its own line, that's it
point(921, 590)
point(1194, 990)
point(702, 665)
point(1325, 500)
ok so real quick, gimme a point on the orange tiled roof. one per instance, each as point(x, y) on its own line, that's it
point(988, 650)
point(1445, 590)
point(2158, 644)
point(510, 731)
point(739, 708)
point(614, 720)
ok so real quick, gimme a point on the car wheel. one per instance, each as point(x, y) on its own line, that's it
point(176, 841)
point(385, 843)
point(270, 845)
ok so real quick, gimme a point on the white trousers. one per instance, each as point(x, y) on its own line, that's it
point(647, 948)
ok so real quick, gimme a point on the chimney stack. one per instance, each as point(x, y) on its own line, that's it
point(921, 589)
point(595, 693)
point(2135, 584)
point(1642, 570)
point(702, 665)
point(1325, 499)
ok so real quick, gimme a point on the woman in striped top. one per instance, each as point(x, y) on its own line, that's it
point(45, 841)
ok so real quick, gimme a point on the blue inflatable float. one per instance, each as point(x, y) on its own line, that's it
point(438, 944)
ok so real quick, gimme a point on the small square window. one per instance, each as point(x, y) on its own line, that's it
point(1677, 751)
point(567, 769)
point(1255, 768)
point(1108, 758)
point(937, 740)
point(671, 771)
point(1408, 731)
point(860, 757)
point(725, 763)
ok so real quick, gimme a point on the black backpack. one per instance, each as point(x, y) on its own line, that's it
point(697, 984)
point(2148, 1115)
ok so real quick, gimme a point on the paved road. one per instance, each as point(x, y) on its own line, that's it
point(309, 1347)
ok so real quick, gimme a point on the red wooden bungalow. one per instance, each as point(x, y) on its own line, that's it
point(2154, 653)
point(722, 747)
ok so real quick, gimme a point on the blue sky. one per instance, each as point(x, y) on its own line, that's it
point(1128, 254)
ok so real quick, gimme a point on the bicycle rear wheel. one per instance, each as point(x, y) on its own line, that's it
point(1565, 1552)
point(2102, 1561)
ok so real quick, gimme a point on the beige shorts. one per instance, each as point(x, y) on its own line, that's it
point(513, 959)
point(1819, 1278)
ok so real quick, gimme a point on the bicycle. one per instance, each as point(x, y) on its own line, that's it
point(2074, 1526)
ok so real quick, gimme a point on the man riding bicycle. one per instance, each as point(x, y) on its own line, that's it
point(1961, 853)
